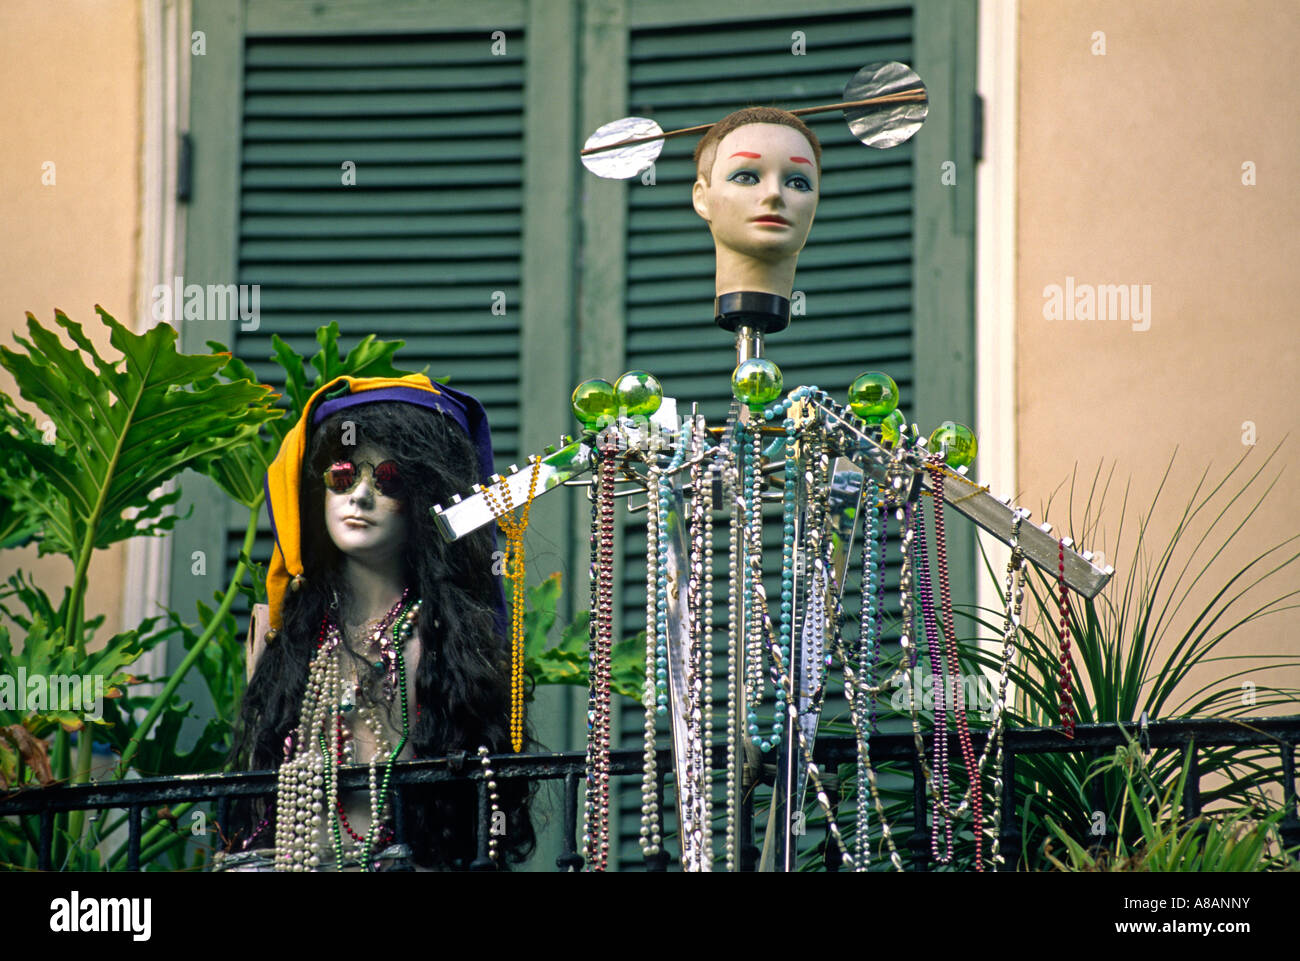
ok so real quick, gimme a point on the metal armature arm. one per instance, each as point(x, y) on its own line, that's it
point(978, 505)
point(464, 515)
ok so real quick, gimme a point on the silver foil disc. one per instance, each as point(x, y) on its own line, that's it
point(887, 124)
point(620, 163)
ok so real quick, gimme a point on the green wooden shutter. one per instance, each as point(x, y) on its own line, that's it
point(417, 248)
point(436, 107)
point(430, 232)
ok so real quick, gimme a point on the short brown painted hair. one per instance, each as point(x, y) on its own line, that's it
point(706, 150)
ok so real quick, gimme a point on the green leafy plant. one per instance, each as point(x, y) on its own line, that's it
point(1237, 840)
point(100, 469)
point(565, 662)
point(117, 432)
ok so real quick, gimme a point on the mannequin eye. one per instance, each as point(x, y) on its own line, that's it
point(341, 477)
point(745, 178)
point(799, 182)
point(388, 478)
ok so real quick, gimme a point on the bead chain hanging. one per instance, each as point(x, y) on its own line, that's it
point(994, 735)
point(789, 507)
point(514, 527)
point(786, 689)
point(1063, 641)
point(781, 669)
point(654, 696)
point(659, 493)
point(935, 465)
point(307, 782)
point(758, 597)
point(941, 672)
point(403, 625)
point(819, 590)
point(747, 599)
point(591, 801)
point(494, 801)
point(589, 824)
point(882, 517)
point(973, 791)
point(856, 682)
point(753, 597)
point(858, 693)
point(734, 667)
point(1015, 593)
point(602, 631)
point(700, 659)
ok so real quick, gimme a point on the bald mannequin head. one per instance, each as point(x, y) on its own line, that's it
point(757, 184)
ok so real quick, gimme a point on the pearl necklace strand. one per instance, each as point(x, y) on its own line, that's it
point(307, 783)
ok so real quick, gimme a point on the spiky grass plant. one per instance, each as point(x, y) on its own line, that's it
point(1134, 655)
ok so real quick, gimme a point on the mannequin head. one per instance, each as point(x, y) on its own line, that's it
point(462, 680)
point(758, 180)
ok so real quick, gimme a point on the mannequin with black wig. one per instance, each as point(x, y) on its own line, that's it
point(462, 678)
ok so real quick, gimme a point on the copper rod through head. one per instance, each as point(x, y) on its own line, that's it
point(900, 97)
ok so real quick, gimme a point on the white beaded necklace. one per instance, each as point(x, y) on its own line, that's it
point(307, 787)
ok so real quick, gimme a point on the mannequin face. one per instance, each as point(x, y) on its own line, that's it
point(365, 524)
point(762, 192)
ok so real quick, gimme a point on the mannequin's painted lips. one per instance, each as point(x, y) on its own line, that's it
point(356, 522)
point(771, 219)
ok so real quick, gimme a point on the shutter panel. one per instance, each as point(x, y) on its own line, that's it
point(855, 273)
point(432, 228)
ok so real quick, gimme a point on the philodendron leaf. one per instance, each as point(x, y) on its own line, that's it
point(240, 468)
point(47, 684)
point(128, 425)
point(539, 616)
point(627, 667)
point(29, 506)
point(370, 358)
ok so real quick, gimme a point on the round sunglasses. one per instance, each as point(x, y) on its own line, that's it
point(343, 477)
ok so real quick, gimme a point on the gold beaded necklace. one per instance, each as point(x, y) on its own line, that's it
point(514, 527)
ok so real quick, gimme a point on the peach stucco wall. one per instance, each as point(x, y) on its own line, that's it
point(1130, 171)
point(71, 75)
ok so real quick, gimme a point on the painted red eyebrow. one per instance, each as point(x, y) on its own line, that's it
point(746, 153)
point(802, 160)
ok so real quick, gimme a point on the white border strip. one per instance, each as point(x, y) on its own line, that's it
point(995, 271)
point(164, 104)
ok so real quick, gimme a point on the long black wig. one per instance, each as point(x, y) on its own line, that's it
point(462, 683)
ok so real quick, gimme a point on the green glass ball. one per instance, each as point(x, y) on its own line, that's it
point(892, 426)
point(873, 396)
point(592, 400)
point(756, 382)
point(960, 440)
point(638, 393)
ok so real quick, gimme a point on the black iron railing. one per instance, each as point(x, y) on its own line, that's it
point(136, 796)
